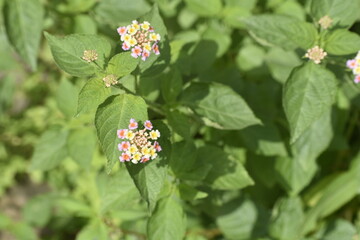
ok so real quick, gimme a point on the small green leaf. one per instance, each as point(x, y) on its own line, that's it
point(282, 31)
point(225, 173)
point(344, 13)
point(171, 85)
point(337, 229)
point(342, 42)
point(92, 95)
point(81, 143)
point(115, 113)
point(122, 64)
point(68, 51)
point(94, 230)
point(168, 220)
point(204, 8)
point(24, 23)
point(220, 104)
point(308, 93)
point(50, 149)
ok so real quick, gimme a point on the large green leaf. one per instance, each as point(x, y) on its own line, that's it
point(344, 13)
point(287, 218)
point(94, 230)
point(168, 220)
point(308, 93)
point(220, 104)
point(342, 42)
point(68, 51)
point(115, 113)
point(24, 23)
point(66, 96)
point(50, 149)
point(91, 95)
point(337, 229)
point(282, 31)
point(171, 85)
point(204, 8)
point(149, 178)
point(155, 64)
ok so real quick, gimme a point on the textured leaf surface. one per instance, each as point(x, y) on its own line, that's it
point(168, 221)
point(220, 104)
point(122, 64)
point(81, 143)
point(308, 93)
point(282, 31)
point(24, 23)
point(342, 42)
point(68, 51)
point(204, 8)
point(115, 114)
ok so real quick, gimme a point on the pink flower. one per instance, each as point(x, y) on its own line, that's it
point(357, 79)
point(136, 52)
point(155, 49)
point(144, 159)
point(145, 55)
point(124, 157)
point(124, 146)
point(133, 124)
point(148, 125)
point(122, 133)
point(351, 63)
point(125, 46)
point(157, 146)
point(121, 30)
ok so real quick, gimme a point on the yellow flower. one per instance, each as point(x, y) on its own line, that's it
point(133, 149)
point(135, 25)
point(145, 25)
point(154, 134)
point(153, 153)
point(132, 30)
point(147, 46)
point(137, 156)
point(125, 38)
point(145, 151)
point(132, 42)
point(130, 135)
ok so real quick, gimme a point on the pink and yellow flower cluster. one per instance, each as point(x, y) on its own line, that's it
point(354, 65)
point(138, 145)
point(140, 38)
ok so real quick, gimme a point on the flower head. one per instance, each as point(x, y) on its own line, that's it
point(354, 65)
point(140, 38)
point(325, 22)
point(90, 55)
point(138, 145)
point(110, 80)
point(316, 54)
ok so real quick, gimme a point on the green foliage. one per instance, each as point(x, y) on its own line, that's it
point(259, 133)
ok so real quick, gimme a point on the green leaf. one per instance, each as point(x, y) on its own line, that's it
point(50, 149)
point(115, 113)
point(84, 24)
point(171, 85)
point(342, 42)
point(81, 143)
point(207, 8)
point(24, 23)
point(68, 51)
point(185, 164)
point(114, 12)
point(122, 64)
point(225, 173)
point(168, 220)
point(282, 31)
point(91, 95)
point(344, 13)
point(308, 93)
point(94, 230)
point(155, 64)
point(39, 206)
point(149, 178)
point(287, 218)
point(66, 96)
point(337, 229)
point(220, 104)
point(181, 123)
point(242, 220)
point(264, 140)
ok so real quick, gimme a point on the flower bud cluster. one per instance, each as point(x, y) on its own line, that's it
point(90, 55)
point(110, 80)
point(139, 145)
point(316, 54)
point(354, 65)
point(325, 22)
point(140, 39)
